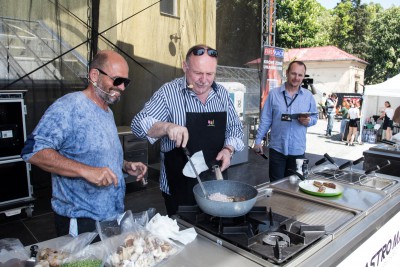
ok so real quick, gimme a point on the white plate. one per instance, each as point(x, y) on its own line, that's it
point(308, 187)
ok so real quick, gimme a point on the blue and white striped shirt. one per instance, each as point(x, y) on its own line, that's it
point(170, 104)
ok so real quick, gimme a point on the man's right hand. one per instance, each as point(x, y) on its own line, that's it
point(101, 176)
point(258, 148)
point(177, 133)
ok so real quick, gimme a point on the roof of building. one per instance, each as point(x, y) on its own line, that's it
point(322, 53)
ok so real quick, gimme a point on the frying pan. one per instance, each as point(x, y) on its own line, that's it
point(231, 189)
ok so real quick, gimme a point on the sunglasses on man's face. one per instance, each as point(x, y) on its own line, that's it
point(200, 51)
point(117, 80)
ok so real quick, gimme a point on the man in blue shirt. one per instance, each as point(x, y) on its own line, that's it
point(77, 141)
point(288, 128)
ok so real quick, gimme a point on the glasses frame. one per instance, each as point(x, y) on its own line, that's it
point(199, 51)
point(117, 81)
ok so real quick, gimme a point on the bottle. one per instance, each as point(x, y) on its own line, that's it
point(305, 168)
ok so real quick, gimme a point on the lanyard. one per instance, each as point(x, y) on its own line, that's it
point(291, 102)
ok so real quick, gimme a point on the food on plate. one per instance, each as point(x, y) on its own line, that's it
point(329, 185)
point(322, 186)
point(317, 183)
point(141, 249)
point(321, 189)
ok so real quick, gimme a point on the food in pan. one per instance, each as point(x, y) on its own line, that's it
point(220, 197)
point(224, 198)
point(329, 185)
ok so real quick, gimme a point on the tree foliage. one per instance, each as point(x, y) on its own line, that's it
point(298, 24)
point(383, 43)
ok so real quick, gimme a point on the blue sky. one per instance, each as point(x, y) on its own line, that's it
point(329, 4)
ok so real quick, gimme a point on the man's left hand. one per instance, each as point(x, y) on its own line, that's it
point(225, 156)
point(137, 169)
point(304, 120)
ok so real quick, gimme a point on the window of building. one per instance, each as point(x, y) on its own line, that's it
point(169, 7)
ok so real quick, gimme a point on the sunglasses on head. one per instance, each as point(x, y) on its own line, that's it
point(117, 80)
point(200, 51)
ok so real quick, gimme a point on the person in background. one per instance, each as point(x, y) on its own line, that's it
point(331, 112)
point(288, 133)
point(193, 112)
point(354, 115)
point(387, 116)
point(77, 141)
point(345, 119)
point(322, 103)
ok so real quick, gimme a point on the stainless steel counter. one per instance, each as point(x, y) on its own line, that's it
point(353, 221)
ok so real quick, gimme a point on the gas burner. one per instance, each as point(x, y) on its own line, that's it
point(265, 234)
point(274, 238)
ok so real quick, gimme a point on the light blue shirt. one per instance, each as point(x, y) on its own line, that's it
point(80, 130)
point(287, 137)
point(170, 104)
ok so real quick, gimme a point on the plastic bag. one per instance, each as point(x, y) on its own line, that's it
point(126, 242)
point(123, 222)
point(64, 249)
point(12, 252)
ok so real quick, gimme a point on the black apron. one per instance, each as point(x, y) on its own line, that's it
point(206, 133)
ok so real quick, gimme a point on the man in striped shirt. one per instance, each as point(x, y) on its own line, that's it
point(193, 112)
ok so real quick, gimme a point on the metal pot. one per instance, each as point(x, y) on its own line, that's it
point(228, 188)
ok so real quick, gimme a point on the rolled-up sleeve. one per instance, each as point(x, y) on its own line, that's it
point(154, 111)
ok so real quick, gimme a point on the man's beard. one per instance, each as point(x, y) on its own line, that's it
point(108, 98)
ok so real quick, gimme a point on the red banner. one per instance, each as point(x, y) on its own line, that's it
point(272, 72)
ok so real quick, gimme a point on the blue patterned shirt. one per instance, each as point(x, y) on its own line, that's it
point(80, 130)
point(170, 104)
point(288, 138)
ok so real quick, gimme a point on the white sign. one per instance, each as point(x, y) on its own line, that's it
point(7, 134)
point(381, 249)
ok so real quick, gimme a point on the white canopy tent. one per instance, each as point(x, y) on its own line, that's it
point(375, 96)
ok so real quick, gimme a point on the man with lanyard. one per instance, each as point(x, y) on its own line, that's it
point(193, 112)
point(288, 128)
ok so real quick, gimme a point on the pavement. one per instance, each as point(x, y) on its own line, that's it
point(318, 143)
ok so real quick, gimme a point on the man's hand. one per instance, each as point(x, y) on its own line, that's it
point(137, 169)
point(225, 156)
point(102, 176)
point(304, 119)
point(177, 133)
point(258, 149)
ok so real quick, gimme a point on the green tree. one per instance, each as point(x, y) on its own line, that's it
point(340, 34)
point(299, 24)
point(383, 43)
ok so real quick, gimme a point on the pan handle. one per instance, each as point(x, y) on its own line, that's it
point(345, 165)
point(319, 162)
point(358, 161)
point(298, 174)
point(218, 173)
